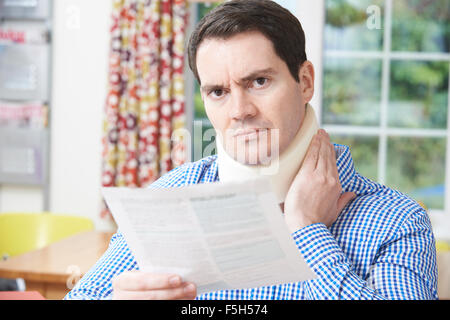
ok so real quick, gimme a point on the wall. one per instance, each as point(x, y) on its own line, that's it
point(79, 92)
point(80, 65)
point(311, 15)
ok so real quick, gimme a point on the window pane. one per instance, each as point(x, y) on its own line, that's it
point(203, 143)
point(364, 150)
point(354, 25)
point(416, 166)
point(199, 108)
point(418, 94)
point(204, 8)
point(352, 91)
point(421, 25)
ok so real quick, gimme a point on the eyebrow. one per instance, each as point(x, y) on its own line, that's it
point(251, 76)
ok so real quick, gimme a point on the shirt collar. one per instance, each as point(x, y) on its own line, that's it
point(345, 166)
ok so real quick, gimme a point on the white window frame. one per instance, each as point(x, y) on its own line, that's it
point(312, 16)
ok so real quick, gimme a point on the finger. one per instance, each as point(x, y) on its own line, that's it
point(324, 154)
point(310, 161)
point(187, 291)
point(332, 149)
point(344, 199)
point(331, 166)
point(141, 281)
point(332, 158)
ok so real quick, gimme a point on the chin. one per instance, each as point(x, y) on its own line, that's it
point(252, 154)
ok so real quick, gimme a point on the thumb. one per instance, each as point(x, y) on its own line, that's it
point(344, 199)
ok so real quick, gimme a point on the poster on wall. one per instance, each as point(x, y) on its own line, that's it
point(24, 9)
point(31, 114)
point(24, 72)
point(14, 32)
point(23, 154)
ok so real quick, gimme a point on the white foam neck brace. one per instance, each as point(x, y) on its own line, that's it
point(282, 170)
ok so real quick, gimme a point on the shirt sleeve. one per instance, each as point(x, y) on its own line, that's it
point(97, 282)
point(404, 267)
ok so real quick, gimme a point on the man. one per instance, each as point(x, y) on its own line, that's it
point(362, 239)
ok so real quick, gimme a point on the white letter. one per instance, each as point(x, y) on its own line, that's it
point(374, 19)
point(73, 18)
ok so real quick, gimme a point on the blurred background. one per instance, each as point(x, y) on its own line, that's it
point(91, 91)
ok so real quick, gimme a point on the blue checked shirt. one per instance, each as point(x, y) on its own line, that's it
point(380, 247)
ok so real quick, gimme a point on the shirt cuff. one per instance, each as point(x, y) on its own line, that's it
point(317, 245)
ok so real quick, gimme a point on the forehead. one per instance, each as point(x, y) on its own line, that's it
point(233, 58)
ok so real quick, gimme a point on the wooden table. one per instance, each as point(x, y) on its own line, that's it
point(54, 270)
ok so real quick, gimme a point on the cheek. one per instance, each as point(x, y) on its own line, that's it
point(217, 117)
point(276, 108)
point(285, 115)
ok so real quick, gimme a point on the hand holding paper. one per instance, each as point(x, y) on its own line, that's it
point(138, 285)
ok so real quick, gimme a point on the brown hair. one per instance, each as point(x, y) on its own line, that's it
point(280, 26)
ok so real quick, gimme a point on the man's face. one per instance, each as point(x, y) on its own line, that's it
point(250, 96)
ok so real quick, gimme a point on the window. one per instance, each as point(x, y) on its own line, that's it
point(385, 91)
point(202, 131)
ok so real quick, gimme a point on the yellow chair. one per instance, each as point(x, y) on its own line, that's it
point(23, 232)
point(442, 246)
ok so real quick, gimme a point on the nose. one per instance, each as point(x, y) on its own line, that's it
point(241, 106)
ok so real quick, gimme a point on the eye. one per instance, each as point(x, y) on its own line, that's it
point(260, 82)
point(216, 93)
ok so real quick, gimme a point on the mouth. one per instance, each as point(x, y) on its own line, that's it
point(243, 132)
point(247, 134)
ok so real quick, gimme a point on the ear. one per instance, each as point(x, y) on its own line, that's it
point(306, 76)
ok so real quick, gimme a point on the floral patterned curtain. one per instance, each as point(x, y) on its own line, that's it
point(145, 102)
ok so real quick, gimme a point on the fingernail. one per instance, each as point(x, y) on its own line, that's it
point(175, 280)
point(189, 288)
